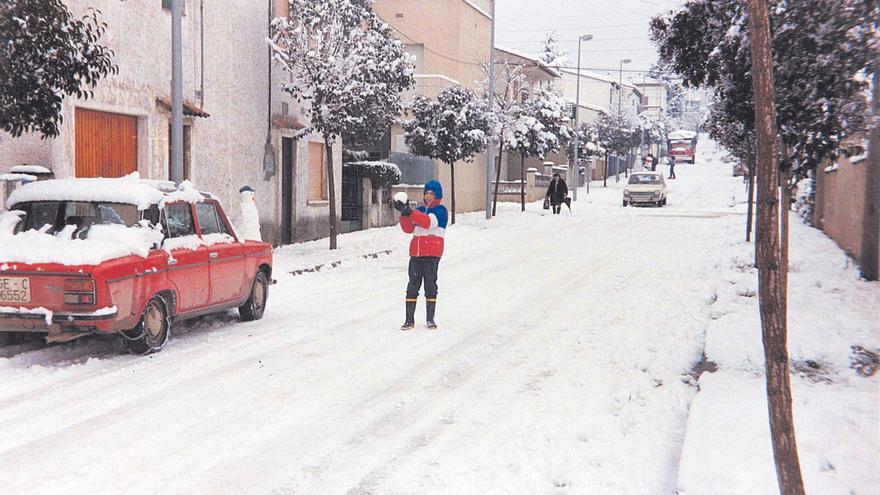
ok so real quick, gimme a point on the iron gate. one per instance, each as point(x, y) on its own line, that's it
point(352, 201)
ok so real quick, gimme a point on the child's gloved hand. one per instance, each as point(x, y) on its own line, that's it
point(402, 207)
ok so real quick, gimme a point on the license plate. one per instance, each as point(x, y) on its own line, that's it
point(15, 289)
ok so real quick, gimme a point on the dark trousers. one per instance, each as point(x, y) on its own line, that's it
point(422, 268)
point(672, 170)
point(557, 209)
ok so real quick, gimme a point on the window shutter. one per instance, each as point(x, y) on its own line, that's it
point(317, 173)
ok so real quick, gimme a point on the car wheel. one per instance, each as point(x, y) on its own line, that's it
point(254, 307)
point(664, 201)
point(624, 202)
point(152, 332)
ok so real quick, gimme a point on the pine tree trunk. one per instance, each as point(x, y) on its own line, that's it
point(452, 174)
point(871, 217)
point(751, 208)
point(331, 192)
point(771, 282)
point(497, 177)
point(522, 182)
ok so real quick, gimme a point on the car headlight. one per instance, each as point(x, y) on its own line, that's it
point(625, 192)
point(656, 193)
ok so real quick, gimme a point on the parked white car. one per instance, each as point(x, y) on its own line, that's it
point(645, 188)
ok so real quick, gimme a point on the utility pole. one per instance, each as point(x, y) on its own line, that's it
point(620, 83)
point(769, 258)
point(176, 93)
point(871, 224)
point(490, 152)
point(577, 105)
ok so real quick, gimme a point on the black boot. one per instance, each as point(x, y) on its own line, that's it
point(410, 315)
point(429, 310)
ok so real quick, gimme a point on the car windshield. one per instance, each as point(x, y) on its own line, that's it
point(644, 179)
point(59, 214)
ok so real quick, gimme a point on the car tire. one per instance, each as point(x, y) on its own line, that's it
point(625, 203)
point(152, 332)
point(664, 202)
point(255, 305)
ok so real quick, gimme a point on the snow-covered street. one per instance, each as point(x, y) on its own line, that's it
point(563, 364)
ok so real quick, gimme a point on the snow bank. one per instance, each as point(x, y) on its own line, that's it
point(831, 314)
point(124, 190)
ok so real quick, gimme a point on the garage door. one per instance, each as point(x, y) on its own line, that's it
point(106, 144)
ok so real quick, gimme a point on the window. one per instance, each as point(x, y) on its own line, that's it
point(41, 214)
point(208, 222)
point(317, 173)
point(178, 220)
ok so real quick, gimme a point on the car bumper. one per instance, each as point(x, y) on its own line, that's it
point(642, 199)
point(63, 321)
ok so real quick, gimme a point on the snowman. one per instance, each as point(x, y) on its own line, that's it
point(249, 228)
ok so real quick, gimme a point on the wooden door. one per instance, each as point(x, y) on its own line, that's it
point(106, 144)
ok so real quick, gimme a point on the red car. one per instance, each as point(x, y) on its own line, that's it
point(123, 256)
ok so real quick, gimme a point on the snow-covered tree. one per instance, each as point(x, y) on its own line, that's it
point(819, 47)
point(453, 128)
point(540, 130)
point(617, 135)
point(551, 54)
point(506, 108)
point(588, 142)
point(348, 69)
point(45, 56)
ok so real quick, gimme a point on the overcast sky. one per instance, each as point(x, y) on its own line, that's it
point(619, 29)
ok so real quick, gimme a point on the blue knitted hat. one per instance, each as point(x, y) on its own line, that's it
point(435, 186)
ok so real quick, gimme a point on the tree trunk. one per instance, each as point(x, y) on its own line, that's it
point(452, 174)
point(871, 217)
point(784, 209)
point(522, 182)
point(771, 283)
point(497, 177)
point(751, 209)
point(605, 178)
point(331, 192)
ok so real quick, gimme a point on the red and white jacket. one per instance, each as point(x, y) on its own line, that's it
point(428, 227)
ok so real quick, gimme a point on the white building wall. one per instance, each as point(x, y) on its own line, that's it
point(227, 148)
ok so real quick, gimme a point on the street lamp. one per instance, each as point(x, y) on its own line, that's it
point(577, 104)
point(620, 83)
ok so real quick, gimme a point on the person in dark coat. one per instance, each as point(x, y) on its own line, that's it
point(651, 163)
point(557, 192)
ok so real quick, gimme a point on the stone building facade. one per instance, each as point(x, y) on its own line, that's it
point(232, 104)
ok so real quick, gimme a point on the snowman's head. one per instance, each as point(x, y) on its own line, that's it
point(246, 193)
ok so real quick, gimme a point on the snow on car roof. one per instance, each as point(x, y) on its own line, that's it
point(682, 134)
point(128, 190)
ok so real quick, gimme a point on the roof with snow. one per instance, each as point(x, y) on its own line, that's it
point(531, 58)
point(682, 134)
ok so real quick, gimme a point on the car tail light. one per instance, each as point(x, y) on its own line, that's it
point(79, 291)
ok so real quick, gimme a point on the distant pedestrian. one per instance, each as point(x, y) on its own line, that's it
point(556, 193)
point(671, 161)
point(427, 224)
point(650, 162)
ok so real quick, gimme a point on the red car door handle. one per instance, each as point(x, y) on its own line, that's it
point(213, 255)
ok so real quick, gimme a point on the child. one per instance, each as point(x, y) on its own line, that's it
point(427, 223)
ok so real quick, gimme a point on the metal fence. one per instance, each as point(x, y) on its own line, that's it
point(413, 169)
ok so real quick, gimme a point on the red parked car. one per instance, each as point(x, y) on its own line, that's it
point(123, 256)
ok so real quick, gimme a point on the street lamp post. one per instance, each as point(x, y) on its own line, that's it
point(620, 83)
point(577, 104)
point(490, 158)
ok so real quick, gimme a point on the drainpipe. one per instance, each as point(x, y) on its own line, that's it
point(176, 93)
point(202, 54)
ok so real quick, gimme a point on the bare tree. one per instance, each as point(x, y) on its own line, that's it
point(771, 281)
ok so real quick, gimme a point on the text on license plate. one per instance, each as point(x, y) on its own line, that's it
point(15, 289)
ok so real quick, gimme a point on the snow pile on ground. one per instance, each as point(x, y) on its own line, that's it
point(104, 242)
point(123, 190)
point(833, 322)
